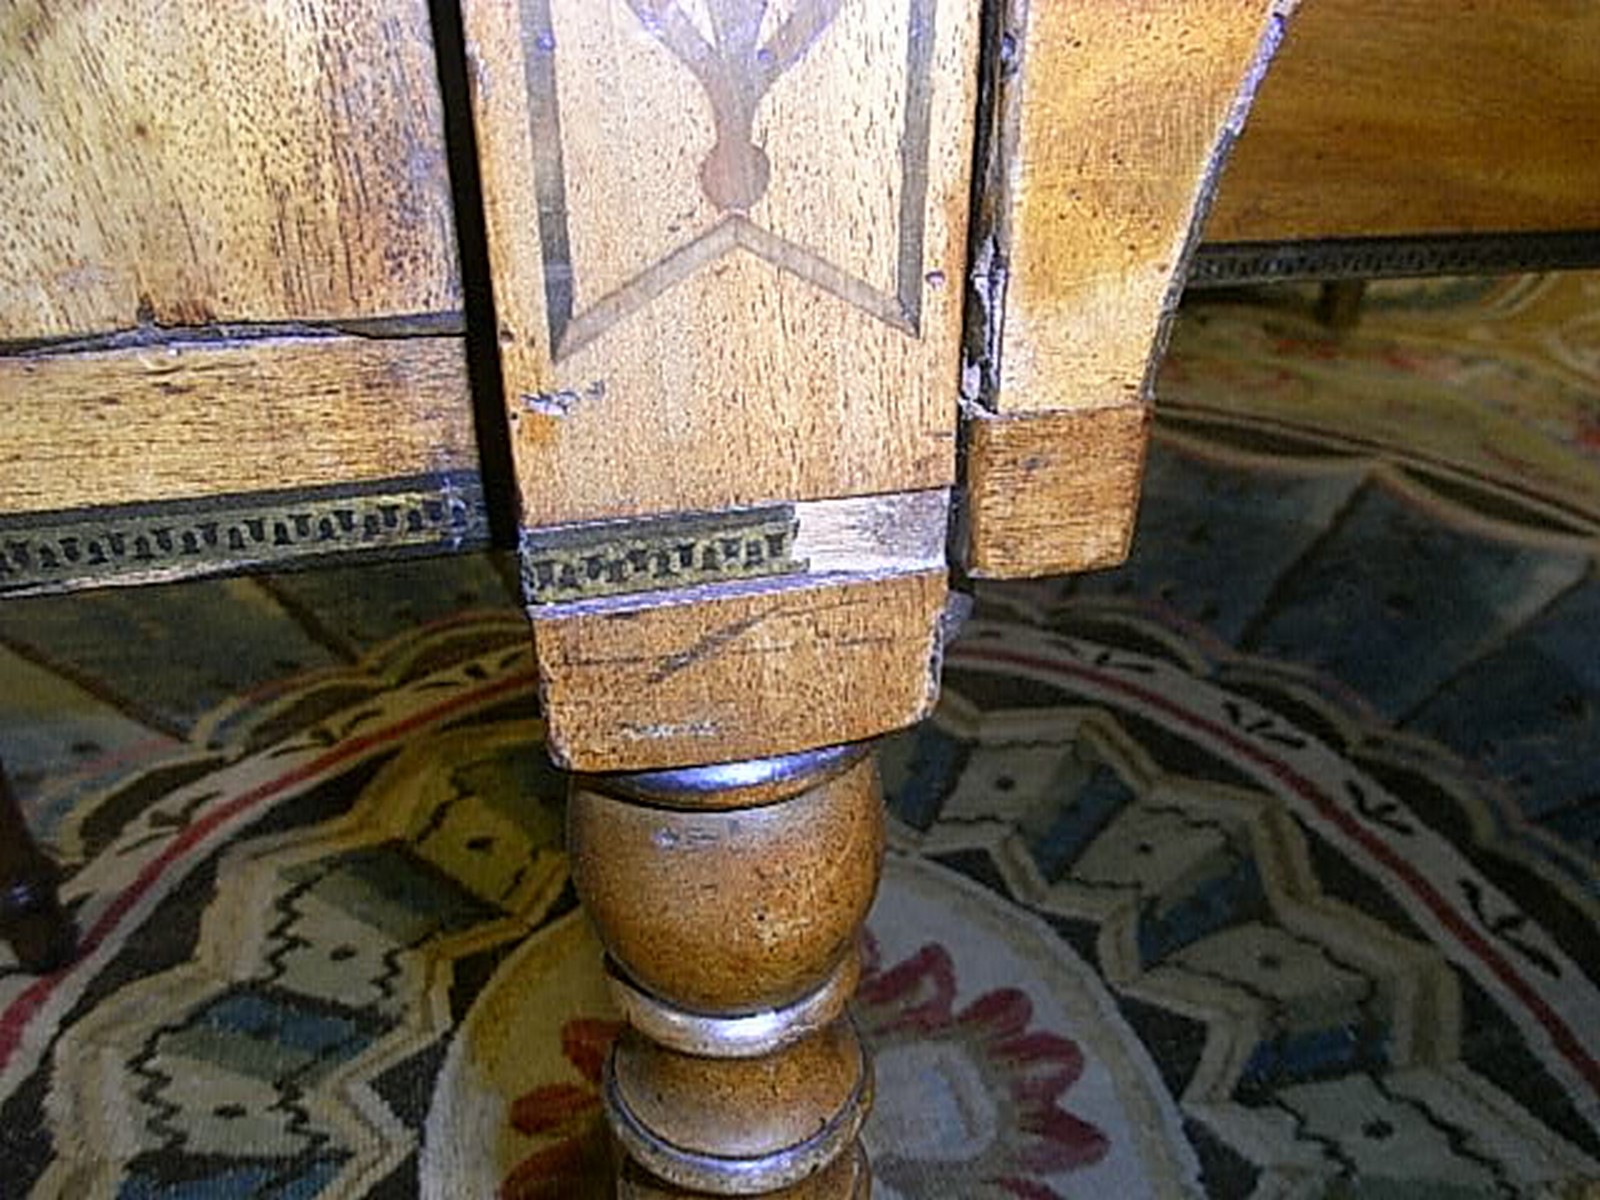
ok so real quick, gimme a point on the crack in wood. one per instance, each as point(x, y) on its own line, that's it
point(410, 325)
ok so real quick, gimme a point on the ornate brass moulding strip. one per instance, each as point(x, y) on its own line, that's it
point(143, 543)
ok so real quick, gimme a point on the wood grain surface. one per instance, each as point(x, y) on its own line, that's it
point(1122, 114)
point(1422, 117)
point(727, 243)
point(1109, 128)
point(743, 671)
point(230, 161)
point(179, 420)
point(1050, 493)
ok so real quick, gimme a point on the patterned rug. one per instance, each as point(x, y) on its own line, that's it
point(1267, 865)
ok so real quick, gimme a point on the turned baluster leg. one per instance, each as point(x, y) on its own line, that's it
point(728, 244)
point(31, 917)
point(730, 898)
point(730, 901)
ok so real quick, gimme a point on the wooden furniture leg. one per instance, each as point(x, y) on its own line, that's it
point(32, 920)
point(730, 900)
point(1339, 303)
point(729, 242)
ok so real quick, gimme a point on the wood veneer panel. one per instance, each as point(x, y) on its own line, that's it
point(727, 243)
point(231, 161)
point(1050, 493)
point(1422, 116)
point(1119, 118)
point(740, 672)
point(181, 420)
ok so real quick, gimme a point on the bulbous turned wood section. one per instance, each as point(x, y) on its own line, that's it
point(730, 901)
point(731, 910)
point(740, 1126)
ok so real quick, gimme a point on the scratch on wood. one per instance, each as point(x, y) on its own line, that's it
point(662, 732)
point(709, 645)
point(174, 338)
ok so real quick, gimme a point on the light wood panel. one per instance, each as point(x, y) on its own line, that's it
point(179, 420)
point(1050, 493)
point(1122, 113)
point(727, 243)
point(183, 164)
point(1110, 125)
point(1422, 116)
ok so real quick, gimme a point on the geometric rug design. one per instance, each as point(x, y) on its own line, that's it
point(1267, 865)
